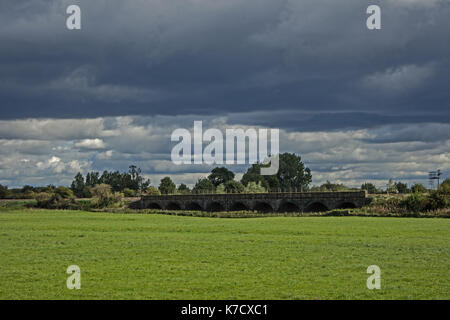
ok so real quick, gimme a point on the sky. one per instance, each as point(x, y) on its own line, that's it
point(357, 105)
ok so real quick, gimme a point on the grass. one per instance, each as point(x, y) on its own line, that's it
point(138, 256)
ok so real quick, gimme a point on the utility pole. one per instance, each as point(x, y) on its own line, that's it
point(434, 175)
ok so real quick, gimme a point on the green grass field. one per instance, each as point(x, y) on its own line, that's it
point(136, 256)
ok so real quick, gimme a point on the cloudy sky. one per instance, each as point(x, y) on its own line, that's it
point(358, 105)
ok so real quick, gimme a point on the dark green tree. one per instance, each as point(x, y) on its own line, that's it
point(331, 187)
point(369, 187)
point(253, 174)
point(233, 186)
point(292, 174)
point(167, 186)
point(92, 179)
point(183, 189)
point(220, 175)
point(137, 181)
point(418, 188)
point(401, 187)
point(78, 185)
point(203, 185)
point(3, 191)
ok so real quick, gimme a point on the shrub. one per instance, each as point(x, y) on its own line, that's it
point(60, 198)
point(233, 186)
point(438, 200)
point(221, 189)
point(3, 191)
point(43, 199)
point(64, 192)
point(253, 187)
point(152, 191)
point(104, 197)
point(183, 189)
point(127, 192)
point(415, 202)
point(87, 192)
point(418, 188)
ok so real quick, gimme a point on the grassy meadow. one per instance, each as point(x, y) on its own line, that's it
point(149, 256)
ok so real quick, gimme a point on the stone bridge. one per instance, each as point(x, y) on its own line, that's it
point(261, 202)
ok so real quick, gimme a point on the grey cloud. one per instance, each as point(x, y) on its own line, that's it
point(349, 156)
point(221, 57)
point(356, 104)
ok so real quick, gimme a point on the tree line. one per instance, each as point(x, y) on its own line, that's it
point(130, 183)
point(292, 176)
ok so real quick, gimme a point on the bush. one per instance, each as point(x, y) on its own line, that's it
point(418, 188)
point(127, 192)
point(438, 200)
point(3, 192)
point(43, 199)
point(104, 197)
point(64, 192)
point(87, 192)
point(61, 198)
point(415, 202)
point(152, 191)
point(233, 186)
point(253, 187)
point(221, 189)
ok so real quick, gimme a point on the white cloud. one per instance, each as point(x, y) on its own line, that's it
point(406, 151)
point(90, 144)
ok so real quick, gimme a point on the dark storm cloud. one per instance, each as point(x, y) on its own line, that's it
point(220, 57)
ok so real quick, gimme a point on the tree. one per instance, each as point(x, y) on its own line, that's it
point(220, 175)
point(64, 192)
point(445, 186)
point(418, 188)
point(92, 179)
point(152, 191)
point(167, 186)
point(253, 187)
point(3, 191)
point(203, 185)
point(104, 197)
point(292, 174)
point(183, 189)
point(401, 187)
point(127, 192)
point(369, 187)
point(221, 189)
point(253, 174)
point(233, 186)
point(333, 187)
point(78, 185)
point(390, 187)
point(137, 181)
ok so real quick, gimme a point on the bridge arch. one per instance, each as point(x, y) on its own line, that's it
point(238, 206)
point(316, 207)
point(288, 206)
point(194, 206)
point(215, 207)
point(346, 205)
point(154, 205)
point(173, 206)
point(263, 207)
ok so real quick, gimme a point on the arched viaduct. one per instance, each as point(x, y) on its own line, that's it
point(261, 202)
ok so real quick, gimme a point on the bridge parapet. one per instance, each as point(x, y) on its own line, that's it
point(286, 201)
